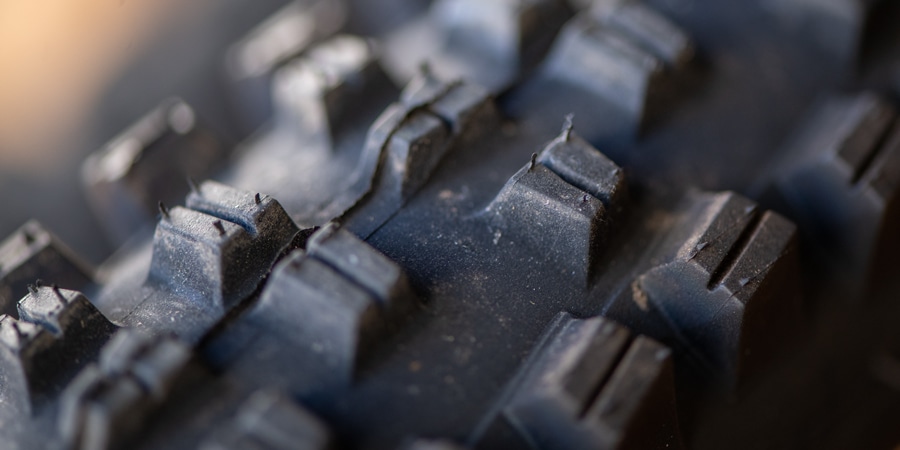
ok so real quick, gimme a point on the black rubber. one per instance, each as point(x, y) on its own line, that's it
point(519, 224)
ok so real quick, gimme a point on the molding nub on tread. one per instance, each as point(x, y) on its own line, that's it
point(108, 402)
point(58, 331)
point(149, 163)
point(270, 420)
point(218, 249)
point(580, 164)
point(591, 384)
point(333, 301)
point(841, 178)
point(730, 293)
point(559, 202)
point(31, 253)
point(260, 215)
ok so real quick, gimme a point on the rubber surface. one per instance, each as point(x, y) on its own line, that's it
point(522, 224)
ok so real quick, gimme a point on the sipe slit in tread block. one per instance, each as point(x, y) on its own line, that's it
point(219, 247)
point(840, 179)
point(729, 295)
point(58, 332)
point(204, 262)
point(108, 404)
point(406, 144)
point(334, 302)
point(590, 383)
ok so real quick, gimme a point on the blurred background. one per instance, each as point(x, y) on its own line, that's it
point(74, 74)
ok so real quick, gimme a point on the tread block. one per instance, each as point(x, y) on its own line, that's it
point(109, 402)
point(415, 150)
point(334, 302)
point(503, 29)
point(468, 108)
point(149, 163)
point(731, 290)
point(60, 311)
point(591, 384)
point(198, 253)
point(619, 59)
point(58, 331)
point(270, 420)
point(611, 55)
point(539, 207)
point(282, 37)
point(320, 90)
point(454, 112)
point(253, 61)
point(841, 177)
point(97, 412)
point(491, 43)
point(646, 28)
point(358, 261)
point(219, 256)
point(341, 316)
point(593, 58)
point(408, 140)
point(547, 212)
point(156, 363)
point(31, 254)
